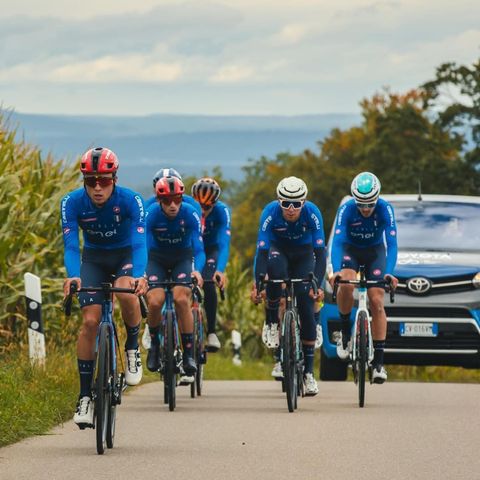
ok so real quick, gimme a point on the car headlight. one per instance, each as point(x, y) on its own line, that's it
point(476, 280)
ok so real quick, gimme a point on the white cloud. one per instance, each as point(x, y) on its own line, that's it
point(232, 74)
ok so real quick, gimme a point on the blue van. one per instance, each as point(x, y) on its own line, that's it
point(435, 319)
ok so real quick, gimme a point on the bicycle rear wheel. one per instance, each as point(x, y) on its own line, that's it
point(362, 356)
point(200, 358)
point(290, 360)
point(170, 376)
point(102, 388)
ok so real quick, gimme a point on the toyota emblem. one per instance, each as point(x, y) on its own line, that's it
point(419, 285)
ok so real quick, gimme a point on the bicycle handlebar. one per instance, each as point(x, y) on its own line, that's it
point(310, 279)
point(378, 283)
point(106, 288)
point(170, 284)
point(221, 290)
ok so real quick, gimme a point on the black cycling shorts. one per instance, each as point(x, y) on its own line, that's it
point(98, 266)
point(374, 258)
point(176, 265)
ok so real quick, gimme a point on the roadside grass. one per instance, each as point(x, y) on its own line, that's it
point(34, 399)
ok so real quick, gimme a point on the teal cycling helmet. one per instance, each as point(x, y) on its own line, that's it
point(366, 188)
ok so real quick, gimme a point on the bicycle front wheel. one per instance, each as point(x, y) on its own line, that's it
point(170, 376)
point(102, 388)
point(290, 360)
point(362, 356)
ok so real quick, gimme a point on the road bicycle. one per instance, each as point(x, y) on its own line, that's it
point(361, 349)
point(291, 352)
point(200, 351)
point(171, 357)
point(108, 380)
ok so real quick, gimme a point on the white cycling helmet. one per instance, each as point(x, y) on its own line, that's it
point(366, 188)
point(292, 188)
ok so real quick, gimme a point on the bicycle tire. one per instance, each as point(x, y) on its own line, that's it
point(200, 357)
point(115, 385)
point(193, 387)
point(102, 391)
point(362, 357)
point(290, 361)
point(170, 378)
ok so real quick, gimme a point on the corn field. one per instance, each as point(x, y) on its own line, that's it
point(31, 187)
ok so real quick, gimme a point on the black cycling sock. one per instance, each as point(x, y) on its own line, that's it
point(272, 311)
point(346, 328)
point(132, 337)
point(379, 348)
point(187, 343)
point(308, 357)
point(210, 305)
point(85, 369)
point(154, 331)
point(277, 354)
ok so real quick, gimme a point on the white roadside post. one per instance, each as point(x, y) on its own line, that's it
point(237, 344)
point(36, 336)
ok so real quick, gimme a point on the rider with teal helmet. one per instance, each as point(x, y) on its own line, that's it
point(365, 234)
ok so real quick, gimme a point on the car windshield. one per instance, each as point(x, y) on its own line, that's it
point(438, 226)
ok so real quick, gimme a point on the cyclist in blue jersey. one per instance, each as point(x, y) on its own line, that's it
point(216, 238)
point(365, 234)
point(170, 172)
point(112, 219)
point(174, 236)
point(291, 244)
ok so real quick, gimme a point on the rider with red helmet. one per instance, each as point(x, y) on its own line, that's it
point(174, 237)
point(112, 219)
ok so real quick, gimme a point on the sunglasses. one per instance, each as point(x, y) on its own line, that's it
point(176, 199)
point(206, 207)
point(102, 181)
point(366, 205)
point(296, 204)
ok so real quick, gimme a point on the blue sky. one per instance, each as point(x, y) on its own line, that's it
point(224, 56)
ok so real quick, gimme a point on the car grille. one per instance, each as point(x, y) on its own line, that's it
point(456, 336)
point(456, 284)
point(430, 312)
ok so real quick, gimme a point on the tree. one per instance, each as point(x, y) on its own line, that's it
point(455, 95)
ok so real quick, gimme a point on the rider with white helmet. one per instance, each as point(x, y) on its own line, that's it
point(291, 244)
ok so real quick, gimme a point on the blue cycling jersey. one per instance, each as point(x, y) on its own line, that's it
point(186, 198)
point(363, 232)
point(182, 232)
point(308, 229)
point(119, 223)
point(217, 233)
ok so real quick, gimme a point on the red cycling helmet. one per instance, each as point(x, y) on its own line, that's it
point(168, 186)
point(99, 160)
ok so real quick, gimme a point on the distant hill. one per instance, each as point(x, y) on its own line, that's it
point(190, 143)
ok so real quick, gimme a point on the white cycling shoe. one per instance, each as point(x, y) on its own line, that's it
point(319, 339)
point(342, 353)
point(277, 371)
point(311, 387)
point(213, 343)
point(134, 370)
point(270, 335)
point(186, 379)
point(379, 374)
point(84, 414)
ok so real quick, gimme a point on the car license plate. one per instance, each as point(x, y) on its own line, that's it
point(418, 329)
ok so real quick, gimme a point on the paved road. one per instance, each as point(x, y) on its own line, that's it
point(242, 430)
